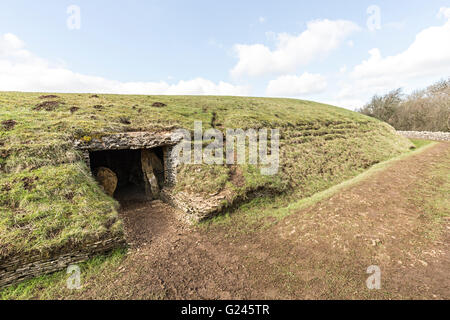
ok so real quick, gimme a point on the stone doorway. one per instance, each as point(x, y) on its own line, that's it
point(129, 175)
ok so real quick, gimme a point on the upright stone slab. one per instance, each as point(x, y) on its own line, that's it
point(148, 166)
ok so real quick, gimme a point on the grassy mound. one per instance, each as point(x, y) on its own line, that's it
point(48, 200)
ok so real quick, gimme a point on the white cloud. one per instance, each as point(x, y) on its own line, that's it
point(261, 19)
point(426, 60)
point(429, 54)
point(20, 70)
point(444, 13)
point(351, 104)
point(319, 38)
point(294, 86)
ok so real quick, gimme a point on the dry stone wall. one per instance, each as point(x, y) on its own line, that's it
point(128, 140)
point(195, 207)
point(171, 163)
point(427, 135)
point(21, 268)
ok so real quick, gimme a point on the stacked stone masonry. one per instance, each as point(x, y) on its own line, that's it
point(427, 135)
point(26, 267)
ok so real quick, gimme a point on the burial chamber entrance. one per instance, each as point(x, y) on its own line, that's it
point(132, 165)
point(129, 174)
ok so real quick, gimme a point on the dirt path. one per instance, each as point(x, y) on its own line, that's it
point(169, 259)
point(319, 252)
point(324, 251)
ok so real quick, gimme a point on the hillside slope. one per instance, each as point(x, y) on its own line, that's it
point(50, 203)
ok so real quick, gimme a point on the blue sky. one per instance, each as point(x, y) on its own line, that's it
point(317, 50)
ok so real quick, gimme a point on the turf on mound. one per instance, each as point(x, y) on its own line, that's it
point(49, 201)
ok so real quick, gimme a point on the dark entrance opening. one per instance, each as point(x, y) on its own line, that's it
point(127, 167)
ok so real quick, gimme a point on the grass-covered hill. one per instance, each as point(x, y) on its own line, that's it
point(49, 201)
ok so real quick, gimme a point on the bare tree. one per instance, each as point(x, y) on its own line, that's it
point(383, 107)
point(423, 110)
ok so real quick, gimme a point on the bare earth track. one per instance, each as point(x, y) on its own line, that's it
point(321, 252)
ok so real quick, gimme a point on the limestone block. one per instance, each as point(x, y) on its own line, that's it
point(107, 179)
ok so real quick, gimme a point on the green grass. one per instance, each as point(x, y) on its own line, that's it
point(419, 143)
point(265, 211)
point(432, 196)
point(49, 202)
point(52, 207)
